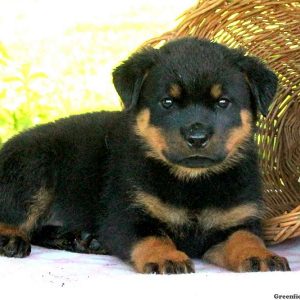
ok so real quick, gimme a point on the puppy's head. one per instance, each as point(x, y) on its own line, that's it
point(194, 102)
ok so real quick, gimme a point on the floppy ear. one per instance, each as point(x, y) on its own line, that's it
point(128, 78)
point(261, 80)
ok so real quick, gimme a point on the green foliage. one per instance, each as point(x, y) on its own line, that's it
point(52, 69)
point(19, 100)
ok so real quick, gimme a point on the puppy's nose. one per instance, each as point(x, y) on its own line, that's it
point(196, 135)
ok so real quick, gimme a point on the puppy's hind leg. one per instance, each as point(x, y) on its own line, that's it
point(56, 237)
point(15, 239)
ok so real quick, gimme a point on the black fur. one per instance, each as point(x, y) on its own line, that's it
point(93, 164)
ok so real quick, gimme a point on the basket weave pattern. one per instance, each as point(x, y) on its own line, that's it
point(271, 31)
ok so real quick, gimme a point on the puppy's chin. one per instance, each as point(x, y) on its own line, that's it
point(194, 161)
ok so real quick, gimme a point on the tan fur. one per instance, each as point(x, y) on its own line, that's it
point(234, 252)
point(175, 91)
point(11, 231)
point(187, 174)
point(162, 211)
point(40, 205)
point(242, 245)
point(151, 134)
point(155, 250)
point(216, 91)
point(156, 141)
point(215, 255)
point(210, 218)
point(236, 139)
point(239, 135)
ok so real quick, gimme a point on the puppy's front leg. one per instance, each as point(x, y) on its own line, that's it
point(159, 255)
point(138, 240)
point(245, 252)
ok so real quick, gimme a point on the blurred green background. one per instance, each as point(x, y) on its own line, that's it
point(56, 56)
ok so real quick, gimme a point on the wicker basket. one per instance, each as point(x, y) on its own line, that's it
point(271, 31)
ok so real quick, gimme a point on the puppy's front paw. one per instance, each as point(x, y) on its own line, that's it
point(245, 252)
point(160, 256)
point(271, 262)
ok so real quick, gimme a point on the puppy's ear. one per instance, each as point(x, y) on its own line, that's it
point(261, 80)
point(128, 78)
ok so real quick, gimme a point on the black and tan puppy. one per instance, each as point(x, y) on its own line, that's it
point(172, 177)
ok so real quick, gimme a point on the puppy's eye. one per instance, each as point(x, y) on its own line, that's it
point(167, 102)
point(223, 102)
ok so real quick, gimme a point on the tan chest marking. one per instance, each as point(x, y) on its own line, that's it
point(210, 218)
point(162, 211)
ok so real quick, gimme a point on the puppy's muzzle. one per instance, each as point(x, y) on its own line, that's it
point(196, 135)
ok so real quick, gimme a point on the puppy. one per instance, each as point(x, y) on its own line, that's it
point(173, 176)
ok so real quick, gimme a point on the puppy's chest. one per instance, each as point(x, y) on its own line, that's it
point(181, 220)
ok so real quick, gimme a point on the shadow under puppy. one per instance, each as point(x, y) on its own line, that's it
point(172, 177)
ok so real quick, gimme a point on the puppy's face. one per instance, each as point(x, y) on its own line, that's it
point(194, 104)
point(194, 121)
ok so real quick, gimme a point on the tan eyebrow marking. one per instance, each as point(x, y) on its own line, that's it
point(216, 91)
point(175, 90)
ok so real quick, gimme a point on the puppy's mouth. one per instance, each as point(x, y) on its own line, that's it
point(195, 161)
